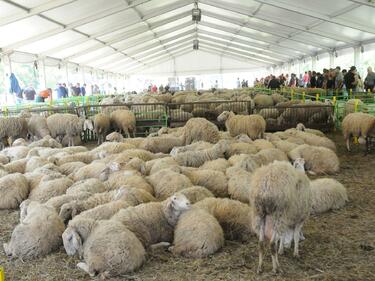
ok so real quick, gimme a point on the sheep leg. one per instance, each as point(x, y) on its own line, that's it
point(273, 248)
point(85, 268)
point(261, 244)
point(348, 144)
point(281, 247)
point(297, 233)
point(127, 133)
point(7, 250)
point(367, 145)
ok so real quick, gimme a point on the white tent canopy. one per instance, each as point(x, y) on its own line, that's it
point(156, 36)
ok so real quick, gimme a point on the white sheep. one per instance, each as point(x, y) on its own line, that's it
point(358, 125)
point(102, 125)
point(280, 198)
point(92, 185)
point(327, 194)
point(57, 202)
point(70, 167)
point(238, 184)
point(154, 222)
point(14, 188)
point(311, 139)
point(263, 100)
point(252, 125)
point(240, 148)
point(301, 127)
point(50, 188)
point(216, 165)
point(199, 145)
point(12, 128)
point(46, 141)
point(37, 126)
point(38, 234)
point(197, 234)
point(196, 193)
point(154, 166)
point(15, 152)
point(318, 160)
point(161, 144)
point(200, 129)
point(124, 121)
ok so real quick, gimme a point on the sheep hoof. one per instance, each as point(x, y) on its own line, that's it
point(85, 268)
point(312, 173)
point(259, 270)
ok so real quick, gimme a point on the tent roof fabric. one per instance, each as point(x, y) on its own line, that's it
point(125, 35)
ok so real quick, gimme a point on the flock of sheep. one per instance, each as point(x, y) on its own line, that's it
point(188, 188)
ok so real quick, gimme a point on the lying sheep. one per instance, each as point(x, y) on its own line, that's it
point(14, 188)
point(86, 157)
point(233, 216)
point(199, 129)
point(240, 148)
point(301, 127)
point(327, 194)
point(154, 166)
point(114, 137)
point(50, 188)
point(58, 201)
point(252, 125)
point(197, 235)
point(318, 160)
point(38, 234)
point(15, 153)
point(89, 185)
point(199, 145)
point(167, 182)
point(35, 162)
point(358, 125)
point(196, 193)
point(128, 178)
point(92, 170)
point(263, 100)
point(280, 199)
point(102, 125)
point(70, 167)
point(216, 165)
point(312, 139)
point(238, 184)
point(20, 142)
point(154, 222)
point(198, 158)
point(46, 141)
point(161, 144)
point(124, 121)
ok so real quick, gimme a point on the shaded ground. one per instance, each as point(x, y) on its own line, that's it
point(338, 246)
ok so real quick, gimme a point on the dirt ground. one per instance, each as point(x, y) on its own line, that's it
point(339, 245)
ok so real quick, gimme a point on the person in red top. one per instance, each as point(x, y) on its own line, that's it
point(154, 89)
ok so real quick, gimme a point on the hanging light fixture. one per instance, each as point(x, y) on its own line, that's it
point(196, 12)
point(195, 44)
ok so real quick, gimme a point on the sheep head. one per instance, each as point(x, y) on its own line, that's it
point(72, 242)
point(301, 127)
point(68, 210)
point(224, 116)
point(299, 164)
point(175, 206)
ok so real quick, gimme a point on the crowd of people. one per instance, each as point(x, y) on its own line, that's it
point(332, 80)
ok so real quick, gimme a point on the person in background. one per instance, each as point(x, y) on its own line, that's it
point(339, 80)
point(370, 80)
point(313, 80)
point(154, 89)
point(29, 93)
point(15, 88)
point(61, 91)
point(319, 80)
point(359, 82)
point(274, 83)
point(167, 88)
point(43, 95)
point(247, 84)
point(161, 88)
point(330, 85)
point(216, 85)
point(349, 80)
point(238, 83)
point(293, 81)
point(306, 79)
point(83, 90)
point(243, 83)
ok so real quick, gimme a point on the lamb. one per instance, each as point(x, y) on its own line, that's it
point(252, 125)
point(61, 124)
point(110, 249)
point(327, 194)
point(37, 126)
point(233, 216)
point(14, 188)
point(154, 222)
point(216, 165)
point(318, 160)
point(38, 234)
point(280, 199)
point(161, 144)
point(199, 129)
point(167, 182)
point(92, 185)
point(50, 188)
point(358, 125)
point(12, 127)
point(198, 158)
point(214, 181)
point(102, 125)
point(124, 121)
point(197, 235)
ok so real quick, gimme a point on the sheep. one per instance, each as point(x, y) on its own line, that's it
point(34, 163)
point(312, 139)
point(89, 185)
point(267, 113)
point(199, 129)
point(277, 98)
point(318, 160)
point(38, 234)
point(102, 125)
point(50, 188)
point(61, 124)
point(280, 199)
point(180, 115)
point(12, 127)
point(358, 125)
point(350, 106)
point(301, 127)
point(252, 125)
point(14, 188)
point(92, 170)
point(197, 235)
point(133, 153)
point(284, 146)
point(240, 148)
point(263, 100)
point(196, 193)
point(58, 201)
point(20, 142)
point(233, 216)
point(199, 145)
point(109, 148)
point(110, 249)
point(238, 184)
point(4, 159)
point(198, 158)
point(114, 137)
point(261, 144)
point(70, 167)
point(216, 165)
point(46, 141)
point(86, 157)
point(37, 126)
point(128, 178)
point(124, 121)
point(267, 156)
point(161, 144)
point(154, 222)
point(154, 166)
point(166, 182)
point(16, 152)
point(214, 181)
point(327, 194)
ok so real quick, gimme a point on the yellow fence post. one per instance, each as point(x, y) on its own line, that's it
point(317, 97)
point(350, 93)
point(334, 100)
point(356, 103)
point(2, 274)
